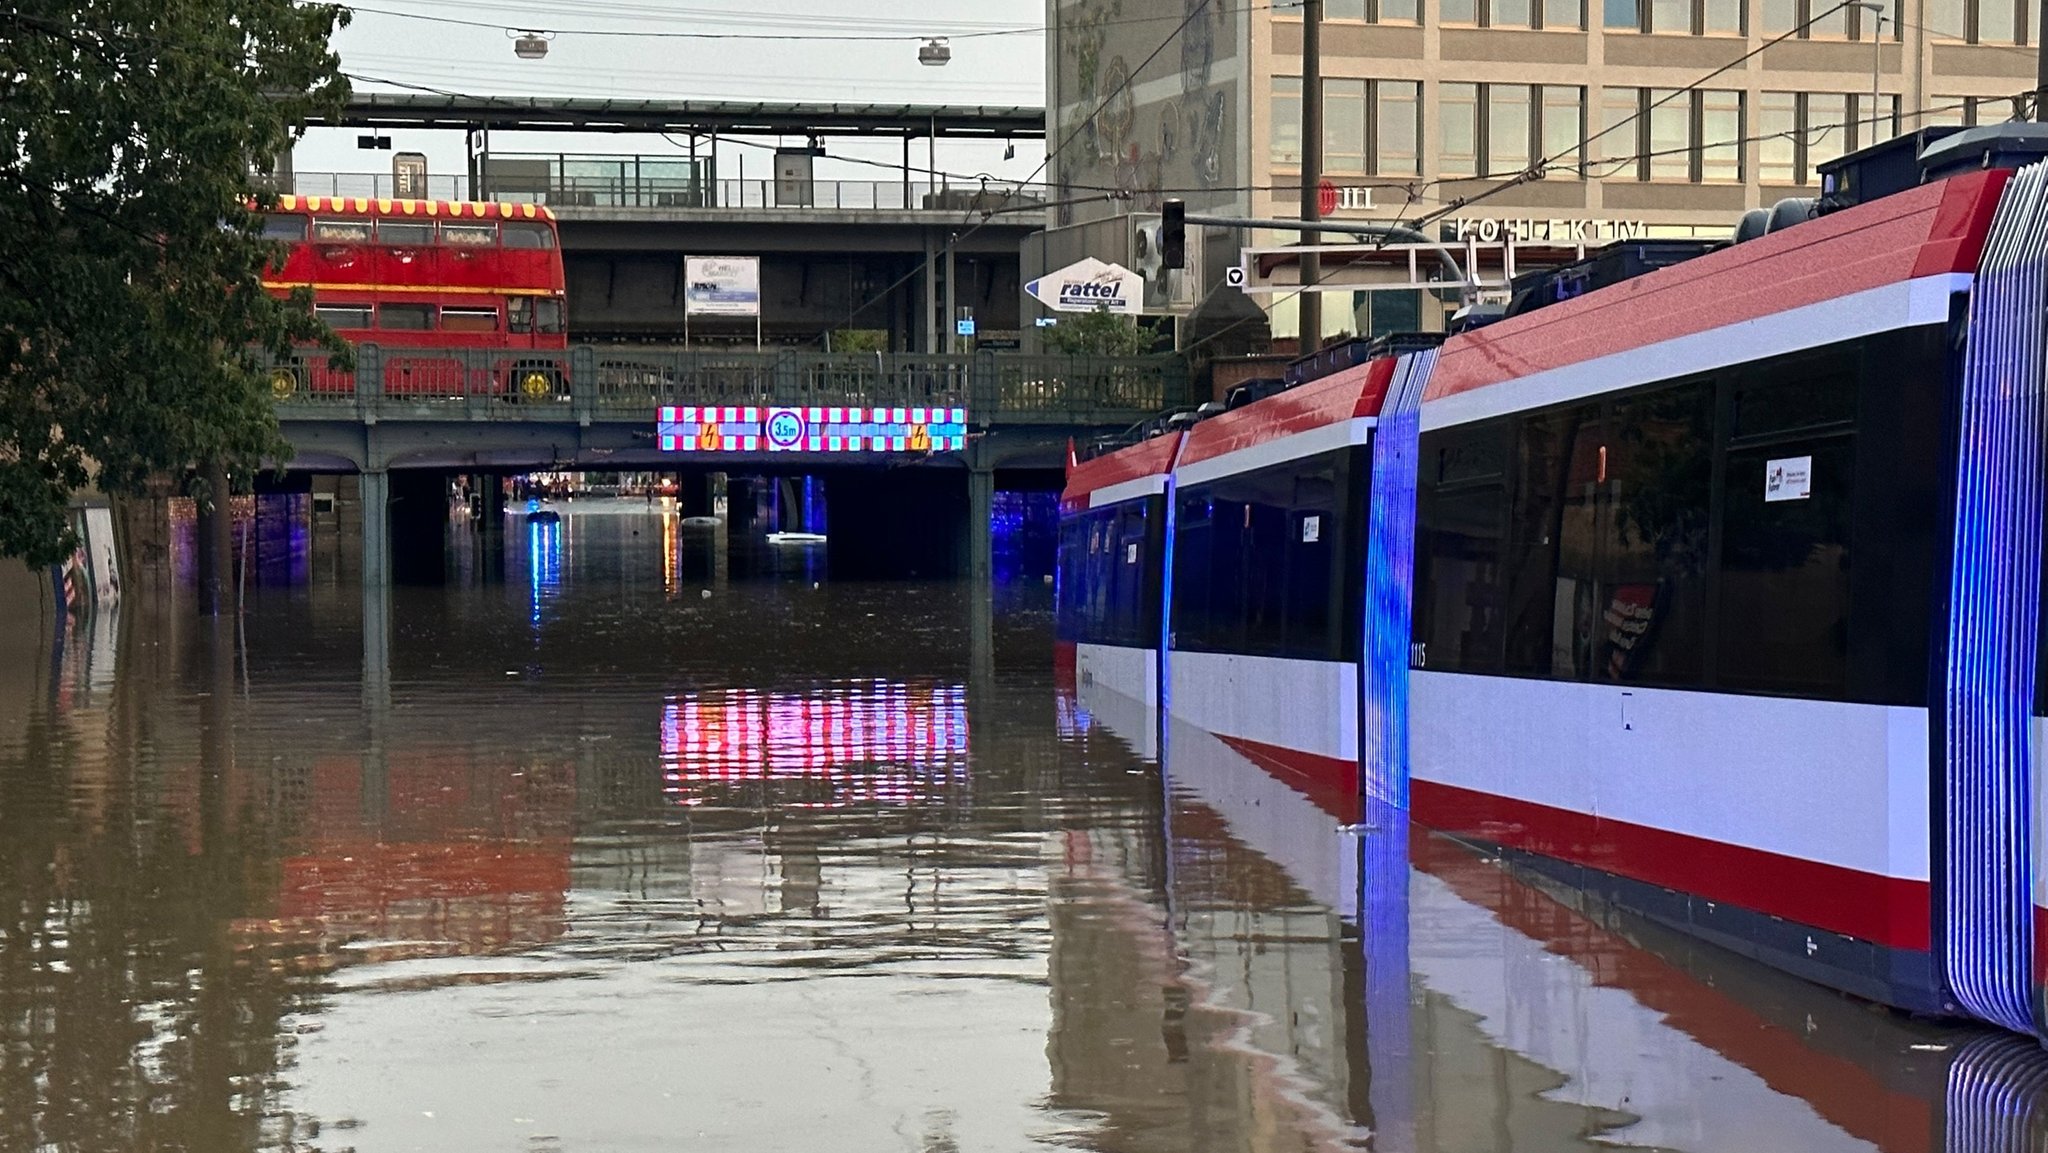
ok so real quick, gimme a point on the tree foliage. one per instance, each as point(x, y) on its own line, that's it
point(130, 263)
point(1099, 333)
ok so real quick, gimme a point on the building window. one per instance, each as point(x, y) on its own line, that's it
point(1564, 126)
point(1458, 123)
point(1397, 128)
point(1370, 127)
point(1286, 143)
point(1829, 20)
point(1978, 21)
point(1344, 126)
point(1681, 17)
point(1801, 131)
point(1510, 127)
point(1968, 111)
point(1395, 12)
point(1671, 134)
point(1721, 137)
point(1515, 13)
point(1343, 9)
point(1507, 129)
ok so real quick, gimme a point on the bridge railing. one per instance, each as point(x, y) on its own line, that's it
point(628, 382)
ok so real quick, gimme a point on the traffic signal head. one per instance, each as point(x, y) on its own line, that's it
point(1173, 234)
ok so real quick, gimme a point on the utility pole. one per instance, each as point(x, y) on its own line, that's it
point(1310, 302)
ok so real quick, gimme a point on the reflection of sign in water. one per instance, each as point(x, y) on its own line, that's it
point(1790, 478)
point(722, 285)
point(852, 741)
point(785, 429)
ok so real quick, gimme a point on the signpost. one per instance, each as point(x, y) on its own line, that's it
point(722, 286)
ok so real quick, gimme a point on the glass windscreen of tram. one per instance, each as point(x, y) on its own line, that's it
point(1771, 528)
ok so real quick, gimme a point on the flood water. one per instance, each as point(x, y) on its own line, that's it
point(624, 851)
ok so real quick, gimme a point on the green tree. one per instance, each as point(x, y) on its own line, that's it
point(131, 302)
point(1098, 333)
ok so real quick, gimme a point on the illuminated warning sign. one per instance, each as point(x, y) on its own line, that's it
point(693, 428)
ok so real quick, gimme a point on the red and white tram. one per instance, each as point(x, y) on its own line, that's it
point(1715, 592)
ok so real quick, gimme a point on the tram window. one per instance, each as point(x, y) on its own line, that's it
point(1313, 535)
point(1459, 545)
point(1809, 392)
point(519, 235)
point(1784, 579)
point(1552, 589)
point(341, 231)
point(343, 315)
point(468, 320)
point(284, 226)
point(1192, 545)
point(405, 233)
point(1660, 468)
point(408, 317)
point(469, 235)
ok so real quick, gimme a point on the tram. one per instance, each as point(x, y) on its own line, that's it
point(1708, 583)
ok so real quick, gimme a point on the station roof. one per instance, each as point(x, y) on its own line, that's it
point(735, 117)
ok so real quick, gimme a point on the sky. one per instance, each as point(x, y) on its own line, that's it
point(992, 64)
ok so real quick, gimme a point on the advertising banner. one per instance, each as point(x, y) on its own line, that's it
point(1090, 285)
point(722, 285)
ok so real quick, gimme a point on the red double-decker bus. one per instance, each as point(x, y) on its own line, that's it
point(466, 280)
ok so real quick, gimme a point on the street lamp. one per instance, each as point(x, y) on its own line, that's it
point(934, 53)
point(528, 44)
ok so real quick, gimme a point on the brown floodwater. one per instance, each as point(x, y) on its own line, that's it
point(623, 848)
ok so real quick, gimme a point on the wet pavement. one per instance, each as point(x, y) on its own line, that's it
point(602, 862)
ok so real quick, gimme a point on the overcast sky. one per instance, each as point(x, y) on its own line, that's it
point(440, 53)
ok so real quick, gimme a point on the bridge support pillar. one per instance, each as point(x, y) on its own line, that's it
point(376, 493)
point(981, 514)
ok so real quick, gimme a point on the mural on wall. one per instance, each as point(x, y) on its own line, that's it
point(1127, 132)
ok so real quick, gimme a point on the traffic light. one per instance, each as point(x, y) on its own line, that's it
point(1173, 234)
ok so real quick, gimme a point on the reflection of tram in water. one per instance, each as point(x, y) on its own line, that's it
point(1481, 1011)
point(1712, 591)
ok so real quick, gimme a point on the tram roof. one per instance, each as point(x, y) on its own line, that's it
point(1921, 232)
point(1145, 460)
point(1353, 394)
point(386, 206)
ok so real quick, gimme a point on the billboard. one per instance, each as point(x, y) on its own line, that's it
point(690, 428)
point(722, 286)
point(1089, 285)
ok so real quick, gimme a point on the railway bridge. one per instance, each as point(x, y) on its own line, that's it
point(924, 437)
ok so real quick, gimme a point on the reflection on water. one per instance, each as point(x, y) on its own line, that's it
point(608, 867)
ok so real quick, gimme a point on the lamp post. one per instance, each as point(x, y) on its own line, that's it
point(528, 43)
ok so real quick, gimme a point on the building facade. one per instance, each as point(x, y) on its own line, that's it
point(1551, 123)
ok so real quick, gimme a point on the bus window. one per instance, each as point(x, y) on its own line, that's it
point(343, 315)
point(468, 320)
point(341, 231)
point(407, 233)
point(408, 317)
point(549, 311)
point(519, 313)
point(519, 235)
point(469, 235)
point(282, 226)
